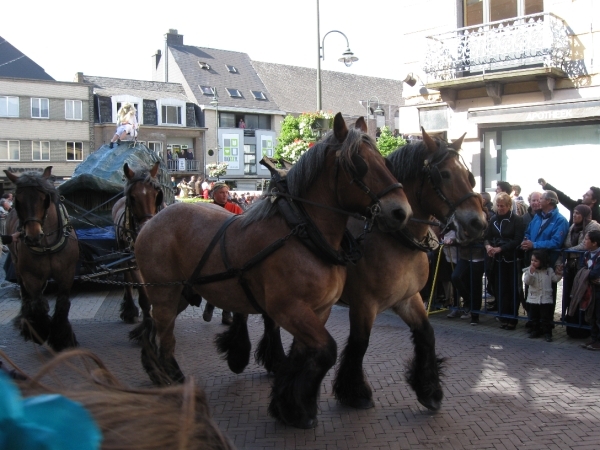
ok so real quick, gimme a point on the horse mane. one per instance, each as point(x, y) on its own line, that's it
point(36, 180)
point(302, 175)
point(408, 160)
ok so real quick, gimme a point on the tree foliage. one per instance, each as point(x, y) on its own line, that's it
point(387, 143)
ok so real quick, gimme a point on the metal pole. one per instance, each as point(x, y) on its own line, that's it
point(319, 105)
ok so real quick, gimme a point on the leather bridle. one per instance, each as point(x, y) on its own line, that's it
point(432, 174)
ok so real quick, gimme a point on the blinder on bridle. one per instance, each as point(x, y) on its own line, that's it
point(35, 184)
point(358, 171)
point(432, 172)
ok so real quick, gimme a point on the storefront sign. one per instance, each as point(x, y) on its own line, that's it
point(231, 150)
point(538, 113)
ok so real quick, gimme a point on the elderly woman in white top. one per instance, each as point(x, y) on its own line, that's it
point(127, 123)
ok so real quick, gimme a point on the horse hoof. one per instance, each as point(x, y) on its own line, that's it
point(430, 404)
point(359, 403)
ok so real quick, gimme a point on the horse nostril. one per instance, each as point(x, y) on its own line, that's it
point(477, 224)
point(400, 214)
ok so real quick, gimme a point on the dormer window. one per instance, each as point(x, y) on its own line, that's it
point(204, 65)
point(231, 69)
point(234, 92)
point(259, 95)
point(207, 90)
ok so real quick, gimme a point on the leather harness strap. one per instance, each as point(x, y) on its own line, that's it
point(231, 272)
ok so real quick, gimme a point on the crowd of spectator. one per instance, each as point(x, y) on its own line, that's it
point(528, 247)
point(202, 188)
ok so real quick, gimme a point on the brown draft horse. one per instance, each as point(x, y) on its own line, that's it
point(142, 199)
point(394, 269)
point(260, 265)
point(47, 248)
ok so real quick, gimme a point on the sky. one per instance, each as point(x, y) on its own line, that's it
point(118, 39)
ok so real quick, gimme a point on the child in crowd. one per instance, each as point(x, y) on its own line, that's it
point(539, 277)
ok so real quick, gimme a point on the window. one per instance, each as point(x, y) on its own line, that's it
point(233, 92)
point(39, 108)
point(40, 150)
point(251, 121)
point(204, 65)
point(207, 90)
point(10, 150)
point(74, 151)
point(249, 159)
point(484, 11)
point(73, 110)
point(264, 122)
point(171, 114)
point(259, 95)
point(9, 106)
point(227, 120)
point(155, 147)
point(231, 69)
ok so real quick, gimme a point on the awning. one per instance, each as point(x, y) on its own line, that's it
point(537, 113)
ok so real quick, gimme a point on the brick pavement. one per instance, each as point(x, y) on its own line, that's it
point(502, 390)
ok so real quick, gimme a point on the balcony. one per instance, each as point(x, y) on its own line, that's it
point(528, 48)
point(191, 165)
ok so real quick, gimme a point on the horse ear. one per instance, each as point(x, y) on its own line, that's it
point(340, 130)
point(430, 143)
point(128, 172)
point(457, 144)
point(361, 124)
point(154, 170)
point(47, 172)
point(11, 176)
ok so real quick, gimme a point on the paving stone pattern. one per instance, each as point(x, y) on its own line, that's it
point(502, 390)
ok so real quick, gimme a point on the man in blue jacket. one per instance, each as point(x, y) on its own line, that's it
point(547, 230)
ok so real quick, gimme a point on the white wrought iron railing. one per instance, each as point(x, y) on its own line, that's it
point(536, 39)
point(191, 165)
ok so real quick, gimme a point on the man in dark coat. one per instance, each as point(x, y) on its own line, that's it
point(590, 198)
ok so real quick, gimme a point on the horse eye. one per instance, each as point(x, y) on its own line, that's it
point(445, 174)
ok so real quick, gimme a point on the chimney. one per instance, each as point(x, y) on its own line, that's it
point(173, 38)
point(157, 57)
point(78, 77)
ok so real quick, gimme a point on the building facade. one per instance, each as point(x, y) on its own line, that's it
point(520, 77)
point(44, 123)
point(169, 123)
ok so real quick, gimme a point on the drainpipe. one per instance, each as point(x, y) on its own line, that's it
point(166, 59)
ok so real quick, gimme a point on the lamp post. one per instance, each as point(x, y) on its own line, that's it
point(215, 102)
point(347, 57)
point(378, 111)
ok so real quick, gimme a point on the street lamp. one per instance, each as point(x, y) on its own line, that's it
point(347, 57)
point(215, 102)
point(378, 111)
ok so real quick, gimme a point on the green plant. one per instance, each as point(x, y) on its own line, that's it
point(387, 142)
point(300, 128)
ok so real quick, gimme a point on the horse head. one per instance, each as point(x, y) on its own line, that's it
point(143, 194)
point(33, 196)
point(440, 184)
point(365, 182)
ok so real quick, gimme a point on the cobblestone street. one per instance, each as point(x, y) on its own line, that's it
point(502, 390)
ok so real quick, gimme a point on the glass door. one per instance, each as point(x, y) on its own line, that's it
point(249, 159)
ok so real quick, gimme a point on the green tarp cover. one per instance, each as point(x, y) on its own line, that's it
point(103, 170)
